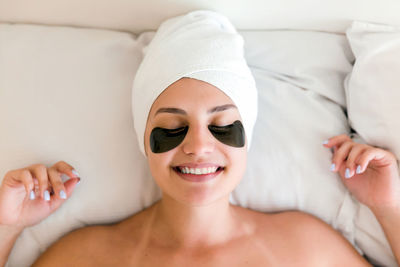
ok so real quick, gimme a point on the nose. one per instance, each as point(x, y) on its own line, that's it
point(198, 141)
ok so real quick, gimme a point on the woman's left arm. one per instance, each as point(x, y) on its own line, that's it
point(371, 174)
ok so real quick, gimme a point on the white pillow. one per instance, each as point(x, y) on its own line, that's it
point(372, 88)
point(372, 94)
point(300, 76)
point(66, 96)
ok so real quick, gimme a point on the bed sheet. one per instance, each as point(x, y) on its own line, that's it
point(65, 95)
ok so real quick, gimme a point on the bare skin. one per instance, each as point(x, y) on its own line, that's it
point(281, 239)
point(194, 224)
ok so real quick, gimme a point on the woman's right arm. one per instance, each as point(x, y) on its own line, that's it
point(8, 236)
point(25, 199)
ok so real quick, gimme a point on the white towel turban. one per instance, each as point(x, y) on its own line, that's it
point(203, 45)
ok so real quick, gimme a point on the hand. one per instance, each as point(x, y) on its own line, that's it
point(378, 183)
point(18, 209)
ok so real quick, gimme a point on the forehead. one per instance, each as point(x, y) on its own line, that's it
point(188, 92)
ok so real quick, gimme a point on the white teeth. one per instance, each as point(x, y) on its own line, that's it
point(198, 171)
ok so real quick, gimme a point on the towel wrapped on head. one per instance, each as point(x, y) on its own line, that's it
point(202, 45)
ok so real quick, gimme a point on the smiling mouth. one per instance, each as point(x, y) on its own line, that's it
point(198, 174)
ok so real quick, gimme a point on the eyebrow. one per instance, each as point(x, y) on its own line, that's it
point(182, 112)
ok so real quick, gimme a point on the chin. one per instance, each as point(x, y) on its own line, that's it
point(199, 199)
point(202, 195)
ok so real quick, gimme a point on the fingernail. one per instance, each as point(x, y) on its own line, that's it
point(63, 195)
point(333, 166)
point(46, 195)
point(347, 174)
point(325, 142)
point(79, 181)
point(76, 173)
point(358, 169)
point(32, 195)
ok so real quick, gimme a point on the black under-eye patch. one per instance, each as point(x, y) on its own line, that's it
point(162, 140)
point(231, 135)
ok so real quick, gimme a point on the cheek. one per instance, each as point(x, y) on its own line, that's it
point(160, 163)
point(238, 159)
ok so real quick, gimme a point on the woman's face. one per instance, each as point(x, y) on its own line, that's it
point(190, 102)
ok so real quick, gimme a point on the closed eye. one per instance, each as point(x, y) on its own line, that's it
point(176, 130)
point(221, 127)
point(225, 128)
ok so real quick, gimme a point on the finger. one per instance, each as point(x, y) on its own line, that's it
point(40, 173)
point(36, 185)
point(25, 176)
point(56, 183)
point(341, 154)
point(336, 140)
point(352, 158)
point(66, 168)
point(62, 167)
point(13, 178)
point(69, 185)
point(374, 154)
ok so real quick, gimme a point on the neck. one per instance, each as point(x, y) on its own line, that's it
point(179, 225)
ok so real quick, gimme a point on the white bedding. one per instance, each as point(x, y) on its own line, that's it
point(372, 98)
point(65, 95)
point(137, 16)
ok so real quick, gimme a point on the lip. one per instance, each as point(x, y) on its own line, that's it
point(198, 178)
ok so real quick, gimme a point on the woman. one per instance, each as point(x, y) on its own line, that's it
point(194, 126)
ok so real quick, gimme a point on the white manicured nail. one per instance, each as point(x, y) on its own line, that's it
point(46, 195)
point(63, 195)
point(32, 195)
point(347, 174)
point(333, 167)
point(325, 142)
point(76, 173)
point(358, 169)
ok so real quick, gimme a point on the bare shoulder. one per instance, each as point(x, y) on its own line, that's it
point(73, 248)
point(302, 237)
point(321, 243)
point(94, 245)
